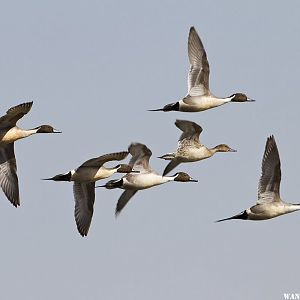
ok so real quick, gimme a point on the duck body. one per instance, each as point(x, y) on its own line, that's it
point(9, 133)
point(267, 211)
point(84, 178)
point(191, 152)
point(189, 148)
point(199, 96)
point(201, 103)
point(143, 181)
point(269, 204)
point(91, 174)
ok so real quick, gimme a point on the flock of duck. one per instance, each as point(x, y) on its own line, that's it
point(138, 173)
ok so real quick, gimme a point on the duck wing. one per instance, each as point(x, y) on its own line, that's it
point(198, 77)
point(190, 130)
point(123, 200)
point(8, 174)
point(140, 157)
point(99, 161)
point(84, 194)
point(170, 166)
point(269, 183)
point(14, 114)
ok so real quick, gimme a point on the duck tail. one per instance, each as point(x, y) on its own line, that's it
point(168, 156)
point(168, 107)
point(61, 177)
point(112, 184)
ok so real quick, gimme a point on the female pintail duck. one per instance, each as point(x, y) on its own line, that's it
point(84, 178)
point(9, 133)
point(199, 97)
point(269, 204)
point(189, 148)
point(146, 178)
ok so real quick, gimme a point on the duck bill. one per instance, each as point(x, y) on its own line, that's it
point(232, 150)
point(135, 171)
point(250, 100)
point(56, 131)
point(193, 180)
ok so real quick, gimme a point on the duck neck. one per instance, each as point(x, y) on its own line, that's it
point(109, 171)
point(213, 150)
point(23, 133)
point(226, 99)
point(167, 178)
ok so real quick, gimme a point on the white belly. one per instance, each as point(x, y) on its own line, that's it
point(91, 174)
point(270, 210)
point(141, 181)
point(199, 103)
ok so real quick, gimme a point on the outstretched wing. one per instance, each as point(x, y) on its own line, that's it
point(170, 166)
point(123, 200)
point(269, 183)
point(14, 114)
point(84, 194)
point(8, 174)
point(97, 162)
point(198, 78)
point(140, 157)
point(190, 130)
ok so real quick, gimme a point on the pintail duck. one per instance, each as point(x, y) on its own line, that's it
point(9, 133)
point(189, 148)
point(269, 204)
point(199, 97)
point(146, 178)
point(84, 178)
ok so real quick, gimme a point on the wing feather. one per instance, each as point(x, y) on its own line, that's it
point(8, 174)
point(123, 200)
point(199, 69)
point(84, 194)
point(99, 161)
point(140, 157)
point(269, 183)
point(14, 114)
point(170, 166)
point(190, 130)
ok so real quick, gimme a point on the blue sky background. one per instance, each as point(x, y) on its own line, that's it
point(93, 68)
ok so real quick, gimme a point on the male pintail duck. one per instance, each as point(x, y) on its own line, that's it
point(146, 178)
point(199, 97)
point(9, 133)
point(189, 148)
point(84, 178)
point(269, 204)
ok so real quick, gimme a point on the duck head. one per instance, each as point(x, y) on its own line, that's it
point(46, 129)
point(183, 177)
point(224, 148)
point(240, 97)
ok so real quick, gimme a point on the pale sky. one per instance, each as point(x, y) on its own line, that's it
point(93, 68)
